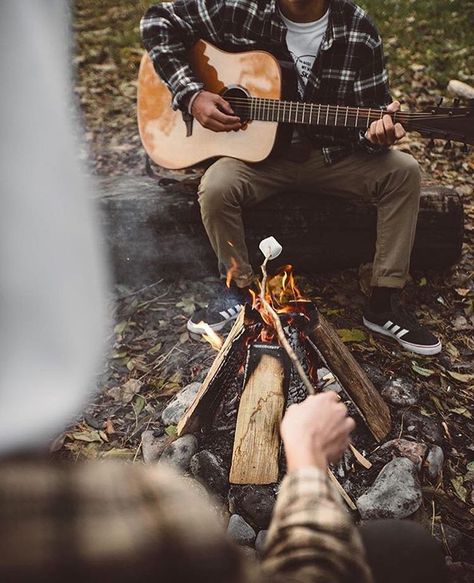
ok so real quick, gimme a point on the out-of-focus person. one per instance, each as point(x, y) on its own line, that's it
point(110, 521)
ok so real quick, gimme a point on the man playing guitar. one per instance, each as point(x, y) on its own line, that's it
point(337, 54)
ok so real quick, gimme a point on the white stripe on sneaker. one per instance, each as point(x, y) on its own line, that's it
point(395, 328)
point(224, 314)
point(402, 333)
point(388, 324)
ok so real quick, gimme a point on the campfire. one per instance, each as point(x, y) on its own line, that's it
point(280, 350)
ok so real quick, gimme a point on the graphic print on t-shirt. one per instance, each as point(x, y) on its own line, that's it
point(303, 40)
point(303, 64)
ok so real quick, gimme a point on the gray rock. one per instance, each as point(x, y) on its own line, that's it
point(396, 492)
point(180, 452)
point(260, 541)
point(422, 428)
point(256, 504)
point(434, 463)
point(240, 531)
point(412, 450)
point(210, 470)
point(401, 392)
point(179, 404)
point(152, 446)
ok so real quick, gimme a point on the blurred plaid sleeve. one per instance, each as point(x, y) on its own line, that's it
point(311, 536)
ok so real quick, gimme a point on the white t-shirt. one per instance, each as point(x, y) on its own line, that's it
point(303, 40)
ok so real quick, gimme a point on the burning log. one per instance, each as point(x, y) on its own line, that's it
point(372, 407)
point(207, 398)
point(257, 436)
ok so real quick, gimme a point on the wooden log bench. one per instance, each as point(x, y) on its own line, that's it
point(154, 231)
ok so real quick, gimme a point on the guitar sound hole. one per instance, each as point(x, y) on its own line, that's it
point(238, 98)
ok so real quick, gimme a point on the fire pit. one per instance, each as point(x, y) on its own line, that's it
point(279, 350)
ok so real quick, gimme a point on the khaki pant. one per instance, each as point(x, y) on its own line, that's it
point(392, 180)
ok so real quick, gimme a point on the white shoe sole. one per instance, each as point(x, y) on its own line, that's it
point(416, 348)
point(196, 329)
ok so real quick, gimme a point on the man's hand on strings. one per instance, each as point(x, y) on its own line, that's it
point(384, 132)
point(214, 113)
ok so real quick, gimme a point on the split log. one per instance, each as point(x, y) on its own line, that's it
point(257, 436)
point(155, 231)
point(461, 89)
point(340, 361)
point(211, 390)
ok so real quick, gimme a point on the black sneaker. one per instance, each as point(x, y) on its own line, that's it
point(402, 327)
point(222, 310)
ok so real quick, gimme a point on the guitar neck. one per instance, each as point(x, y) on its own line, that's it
point(311, 113)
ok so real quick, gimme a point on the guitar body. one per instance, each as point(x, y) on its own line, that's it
point(252, 83)
point(163, 131)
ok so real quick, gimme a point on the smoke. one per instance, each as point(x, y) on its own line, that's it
point(52, 275)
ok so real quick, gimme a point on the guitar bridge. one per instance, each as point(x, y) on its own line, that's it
point(188, 121)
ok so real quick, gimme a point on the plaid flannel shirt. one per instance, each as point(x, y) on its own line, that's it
point(349, 69)
point(121, 522)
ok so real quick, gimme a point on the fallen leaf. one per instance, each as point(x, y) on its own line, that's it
point(121, 327)
point(462, 411)
point(460, 490)
point(424, 372)
point(155, 348)
point(171, 430)
point(453, 351)
point(109, 427)
point(118, 453)
point(351, 335)
point(126, 392)
point(88, 436)
point(463, 378)
point(138, 404)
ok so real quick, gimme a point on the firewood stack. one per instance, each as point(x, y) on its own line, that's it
point(252, 380)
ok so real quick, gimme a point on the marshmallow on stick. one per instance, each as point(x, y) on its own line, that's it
point(270, 248)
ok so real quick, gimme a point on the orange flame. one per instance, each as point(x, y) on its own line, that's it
point(280, 293)
point(232, 269)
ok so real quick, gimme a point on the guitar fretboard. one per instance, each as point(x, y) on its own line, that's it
point(309, 113)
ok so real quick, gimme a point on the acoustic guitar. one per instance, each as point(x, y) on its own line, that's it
point(253, 84)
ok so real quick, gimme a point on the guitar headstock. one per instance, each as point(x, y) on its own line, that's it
point(446, 123)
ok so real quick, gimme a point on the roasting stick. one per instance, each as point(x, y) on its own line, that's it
point(271, 252)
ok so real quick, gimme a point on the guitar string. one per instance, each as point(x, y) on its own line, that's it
point(373, 116)
point(268, 107)
point(264, 102)
point(362, 113)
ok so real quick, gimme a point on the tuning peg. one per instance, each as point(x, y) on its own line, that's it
point(447, 145)
point(456, 101)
